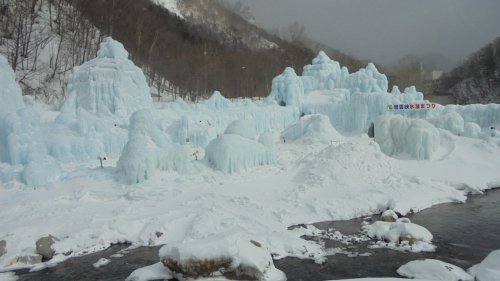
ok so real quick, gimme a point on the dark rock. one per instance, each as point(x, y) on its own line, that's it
point(44, 246)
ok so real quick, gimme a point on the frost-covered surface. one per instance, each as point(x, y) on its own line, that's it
point(488, 269)
point(434, 270)
point(50, 173)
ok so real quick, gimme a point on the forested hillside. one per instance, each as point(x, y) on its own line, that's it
point(477, 80)
point(211, 46)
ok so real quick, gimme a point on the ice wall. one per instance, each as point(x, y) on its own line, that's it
point(396, 134)
point(10, 92)
point(109, 85)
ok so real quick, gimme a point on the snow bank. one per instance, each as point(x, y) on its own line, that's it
point(109, 85)
point(10, 92)
point(396, 134)
point(488, 269)
point(233, 153)
point(434, 270)
point(287, 88)
point(314, 128)
point(149, 149)
point(234, 254)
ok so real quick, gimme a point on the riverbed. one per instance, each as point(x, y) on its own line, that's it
point(464, 234)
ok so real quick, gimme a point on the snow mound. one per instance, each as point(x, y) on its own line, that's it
point(228, 255)
point(10, 92)
point(109, 85)
point(314, 128)
point(347, 165)
point(243, 128)
point(233, 153)
point(488, 269)
point(149, 149)
point(434, 270)
point(287, 88)
point(396, 134)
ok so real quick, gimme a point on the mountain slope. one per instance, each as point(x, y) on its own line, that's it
point(477, 80)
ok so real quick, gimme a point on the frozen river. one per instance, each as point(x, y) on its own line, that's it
point(463, 233)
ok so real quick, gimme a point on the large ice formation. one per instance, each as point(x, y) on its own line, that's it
point(10, 92)
point(315, 128)
point(149, 149)
point(287, 88)
point(396, 134)
point(109, 85)
point(242, 127)
point(324, 73)
point(232, 153)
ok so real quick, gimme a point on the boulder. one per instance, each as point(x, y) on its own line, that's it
point(44, 246)
point(3, 247)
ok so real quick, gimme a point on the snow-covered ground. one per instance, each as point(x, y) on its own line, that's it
point(163, 190)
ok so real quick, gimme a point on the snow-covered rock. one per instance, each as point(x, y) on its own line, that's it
point(396, 134)
point(488, 269)
point(44, 246)
point(314, 128)
point(389, 216)
point(109, 85)
point(153, 272)
point(235, 256)
point(233, 153)
point(398, 231)
point(434, 270)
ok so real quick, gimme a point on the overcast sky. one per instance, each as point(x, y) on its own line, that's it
point(386, 30)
